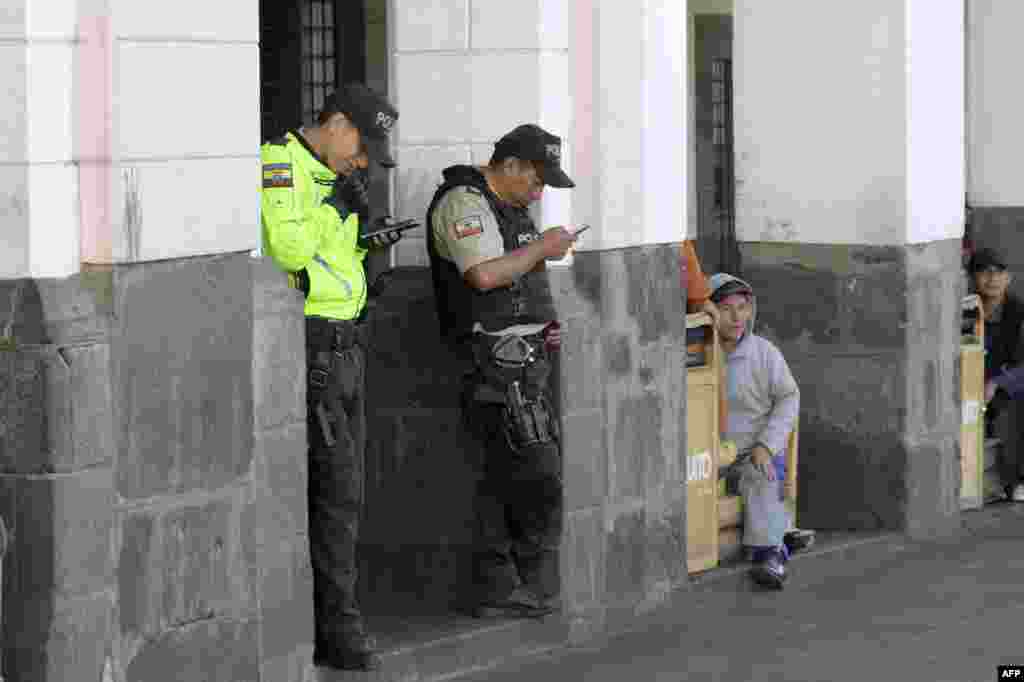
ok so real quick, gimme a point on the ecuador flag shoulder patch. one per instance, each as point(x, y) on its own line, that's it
point(277, 175)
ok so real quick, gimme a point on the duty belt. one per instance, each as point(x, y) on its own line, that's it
point(324, 334)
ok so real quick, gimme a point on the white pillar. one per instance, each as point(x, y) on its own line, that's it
point(995, 102)
point(630, 64)
point(133, 132)
point(180, 175)
point(849, 121)
point(40, 236)
point(466, 72)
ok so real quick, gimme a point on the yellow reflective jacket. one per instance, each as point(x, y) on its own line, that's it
point(301, 232)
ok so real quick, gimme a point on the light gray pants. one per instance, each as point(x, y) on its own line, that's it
point(765, 518)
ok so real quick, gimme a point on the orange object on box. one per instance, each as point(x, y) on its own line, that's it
point(697, 290)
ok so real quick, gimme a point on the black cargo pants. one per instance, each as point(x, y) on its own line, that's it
point(336, 421)
point(518, 499)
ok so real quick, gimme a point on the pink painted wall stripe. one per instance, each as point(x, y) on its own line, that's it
point(581, 58)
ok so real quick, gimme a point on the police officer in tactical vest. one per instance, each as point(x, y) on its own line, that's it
point(488, 264)
point(314, 209)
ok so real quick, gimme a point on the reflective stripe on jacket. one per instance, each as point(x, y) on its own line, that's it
point(302, 232)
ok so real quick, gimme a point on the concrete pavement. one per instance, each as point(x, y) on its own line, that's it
point(893, 610)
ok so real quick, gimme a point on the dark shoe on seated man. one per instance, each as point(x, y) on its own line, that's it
point(769, 569)
point(798, 539)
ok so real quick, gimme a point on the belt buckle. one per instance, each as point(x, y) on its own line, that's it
point(318, 378)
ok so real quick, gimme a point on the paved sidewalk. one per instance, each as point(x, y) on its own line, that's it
point(884, 611)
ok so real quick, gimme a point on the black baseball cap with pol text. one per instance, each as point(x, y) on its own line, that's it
point(370, 113)
point(532, 143)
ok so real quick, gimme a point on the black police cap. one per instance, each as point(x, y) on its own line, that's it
point(532, 143)
point(370, 113)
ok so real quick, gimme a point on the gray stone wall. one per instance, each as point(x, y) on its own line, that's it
point(153, 474)
point(275, 532)
point(621, 384)
point(623, 396)
point(872, 337)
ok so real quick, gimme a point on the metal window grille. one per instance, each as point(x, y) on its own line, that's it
point(725, 172)
point(722, 133)
point(319, 64)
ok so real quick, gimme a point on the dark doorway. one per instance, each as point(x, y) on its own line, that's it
point(308, 47)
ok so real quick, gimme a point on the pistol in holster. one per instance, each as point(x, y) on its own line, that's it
point(529, 421)
point(513, 371)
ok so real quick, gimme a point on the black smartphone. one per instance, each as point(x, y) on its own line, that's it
point(400, 226)
point(583, 228)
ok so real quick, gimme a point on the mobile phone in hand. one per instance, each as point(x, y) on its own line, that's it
point(581, 230)
point(400, 226)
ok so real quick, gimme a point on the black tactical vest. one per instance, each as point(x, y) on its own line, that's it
point(459, 305)
point(1006, 343)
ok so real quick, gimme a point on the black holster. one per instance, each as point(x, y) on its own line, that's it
point(325, 339)
point(513, 371)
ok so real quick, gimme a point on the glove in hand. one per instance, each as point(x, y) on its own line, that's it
point(349, 195)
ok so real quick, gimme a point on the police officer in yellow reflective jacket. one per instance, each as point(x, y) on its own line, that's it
point(314, 207)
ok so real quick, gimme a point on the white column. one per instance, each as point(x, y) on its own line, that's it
point(630, 65)
point(38, 182)
point(180, 176)
point(465, 72)
point(849, 121)
point(995, 102)
point(132, 133)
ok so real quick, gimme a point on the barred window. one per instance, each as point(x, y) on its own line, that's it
point(318, 56)
point(722, 131)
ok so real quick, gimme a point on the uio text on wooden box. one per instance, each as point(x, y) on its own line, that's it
point(972, 401)
point(703, 397)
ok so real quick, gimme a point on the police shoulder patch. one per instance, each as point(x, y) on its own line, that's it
point(277, 175)
point(468, 226)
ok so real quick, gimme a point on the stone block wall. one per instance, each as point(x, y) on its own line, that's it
point(872, 337)
point(275, 531)
point(153, 474)
point(623, 398)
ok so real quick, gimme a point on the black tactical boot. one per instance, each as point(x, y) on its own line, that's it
point(352, 652)
point(519, 603)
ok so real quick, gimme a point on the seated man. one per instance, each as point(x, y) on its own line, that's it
point(1004, 362)
point(764, 402)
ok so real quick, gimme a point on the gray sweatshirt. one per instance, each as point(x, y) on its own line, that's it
point(764, 400)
